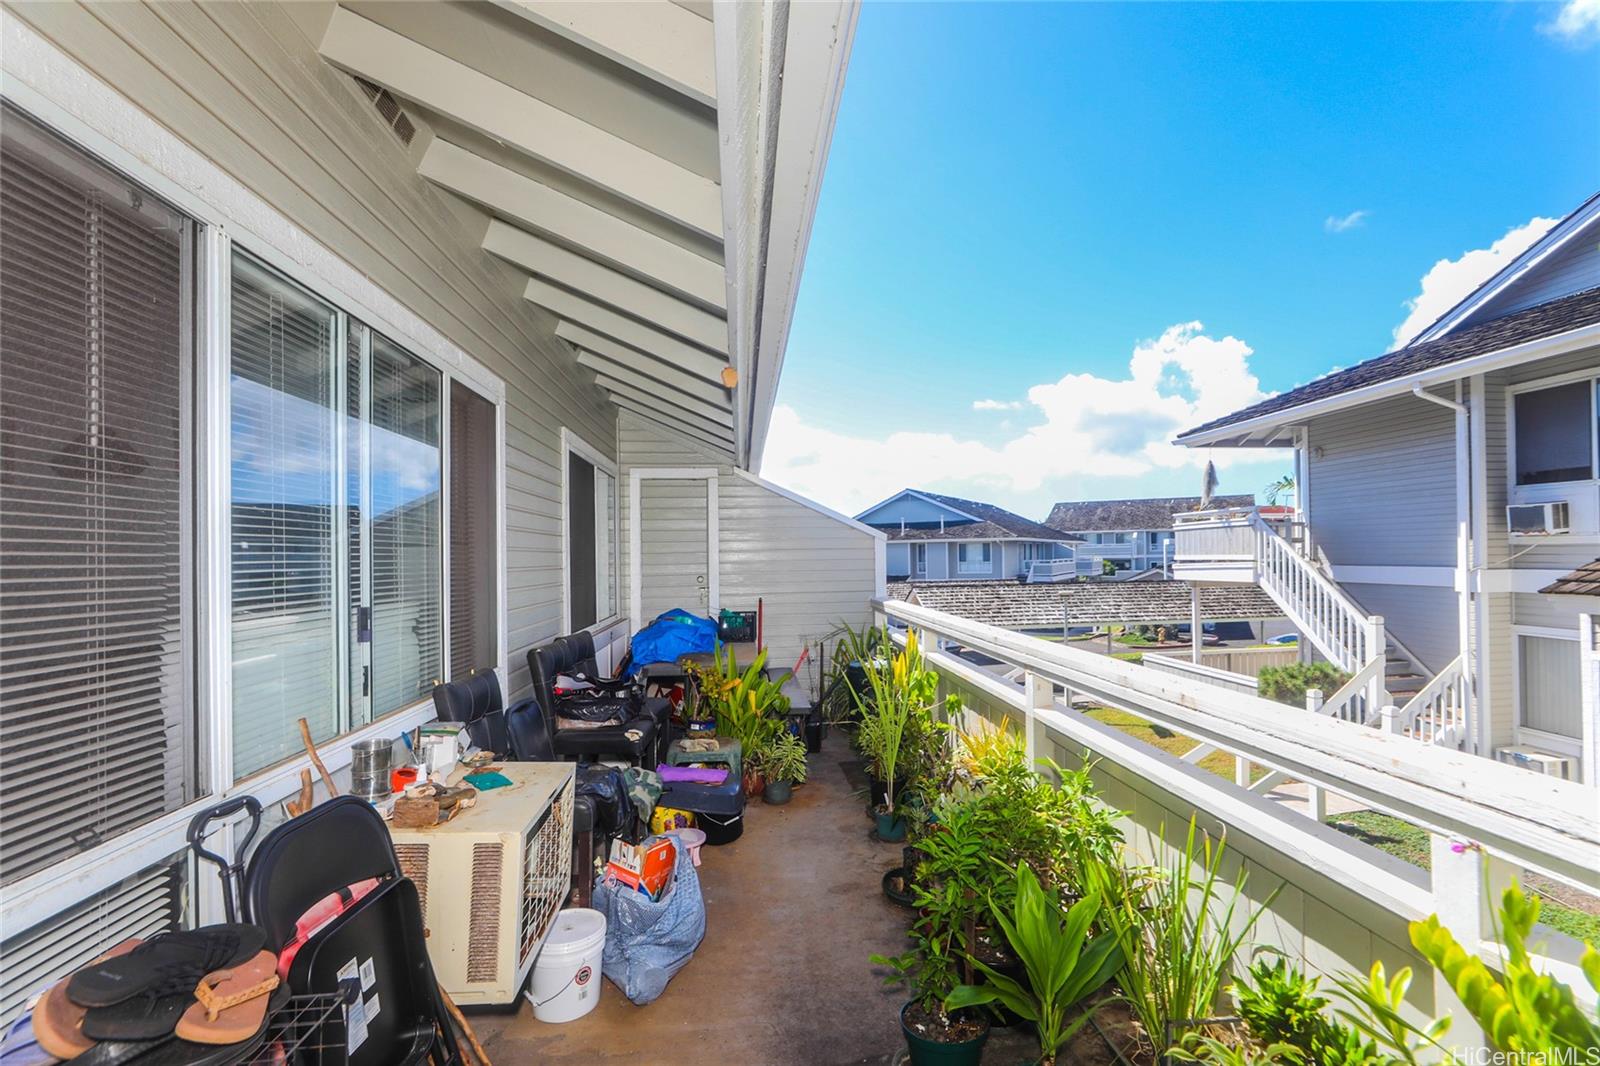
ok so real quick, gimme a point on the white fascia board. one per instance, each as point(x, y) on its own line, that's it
point(810, 504)
point(652, 374)
point(585, 312)
point(546, 258)
point(504, 191)
point(1528, 352)
point(526, 123)
point(668, 44)
point(818, 38)
point(1559, 236)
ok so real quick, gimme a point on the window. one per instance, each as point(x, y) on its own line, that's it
point(974, 558)
point(1555, 434)
point(919, 559)
point(284, 401)
point(95, 502)
point(591, 535)
point(1548, 681)
point(474, 518)
point(336, 513)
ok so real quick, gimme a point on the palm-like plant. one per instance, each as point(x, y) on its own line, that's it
point(899, 691)
point(1064, 964)
point(1279, 489)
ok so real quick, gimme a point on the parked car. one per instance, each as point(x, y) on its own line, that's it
point(1284, 638)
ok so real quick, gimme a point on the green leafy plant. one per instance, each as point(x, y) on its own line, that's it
point(1179, 928)
point(784, 759)
point(748, 706)
point(1209, 1049)
point(1373, 1008)
point(1520, 1010)
point(1283, 1008)
point(1063, 962)
point(1288, 683)
point(854, 647)
point(902, 691)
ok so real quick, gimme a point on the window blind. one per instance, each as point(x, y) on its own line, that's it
point(474, 633)
point(403, 442)
point(1551, 683)
point(95, 693)
point(283, 393)
point(580, 541)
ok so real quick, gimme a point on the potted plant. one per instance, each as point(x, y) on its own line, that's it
point(1064, 964)
point(748, 706)
point(935, 1035)
point(784, 761)
point(902, 692)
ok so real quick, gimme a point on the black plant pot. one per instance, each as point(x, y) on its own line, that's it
point(901, 897)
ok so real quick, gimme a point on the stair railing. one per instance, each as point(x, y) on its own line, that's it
point(1438, 713)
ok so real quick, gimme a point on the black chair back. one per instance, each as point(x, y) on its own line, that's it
point(477, 704)
point(530, 729)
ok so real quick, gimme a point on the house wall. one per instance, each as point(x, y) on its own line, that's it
point(941, 562)
point(1425, 618)
point(811, 570)
point(1573, 269)
point(243, 84)
point(1383, 484)
point(897, 557)
point(909, 509)
point(956, 571)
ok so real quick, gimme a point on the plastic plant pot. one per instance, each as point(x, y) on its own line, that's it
point(778, 792)
point(925, 1052)
point(891, 826)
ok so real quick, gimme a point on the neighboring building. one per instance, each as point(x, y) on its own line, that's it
point(941, 538)
point(1451, 494)
point(1135, 536)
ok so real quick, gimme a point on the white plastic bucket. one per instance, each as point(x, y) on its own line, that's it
point(566, 975)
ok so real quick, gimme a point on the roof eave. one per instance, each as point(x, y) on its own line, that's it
point(1252, 432)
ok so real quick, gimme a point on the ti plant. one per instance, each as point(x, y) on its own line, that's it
point(1063, 963)
point(747, 705)
point(1521, 1011)
point(901, 693)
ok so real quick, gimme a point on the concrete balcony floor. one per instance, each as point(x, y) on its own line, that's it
point(794, 908)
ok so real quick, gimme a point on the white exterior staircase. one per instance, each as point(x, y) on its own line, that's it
point(1239, 545)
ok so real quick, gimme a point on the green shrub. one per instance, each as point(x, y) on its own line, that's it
point(1288, 684)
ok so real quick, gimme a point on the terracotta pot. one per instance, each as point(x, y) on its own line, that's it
point(755, 783)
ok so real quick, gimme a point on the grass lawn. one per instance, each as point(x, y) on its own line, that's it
point(1219, 763)
point(1406, 841)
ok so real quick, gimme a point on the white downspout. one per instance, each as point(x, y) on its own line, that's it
point(1463, 543)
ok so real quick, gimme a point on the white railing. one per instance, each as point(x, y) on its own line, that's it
point(1248, 661)
point(1486, 820)
point(1217, 536)
point(1335, 623)
point(1051, 569)
point(1354, 701)
point(1211, 675)
point(1438, 714)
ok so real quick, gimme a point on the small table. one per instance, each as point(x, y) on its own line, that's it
point(727, 752)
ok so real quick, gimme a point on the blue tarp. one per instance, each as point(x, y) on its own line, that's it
point(649, 941)
point(672, 634)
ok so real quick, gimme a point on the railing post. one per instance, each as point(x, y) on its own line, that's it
point(1314, 700)
point(1468, 883)
point(1389, 718)
point(1316, 799)
point(1038, 694)
point(1377, 648)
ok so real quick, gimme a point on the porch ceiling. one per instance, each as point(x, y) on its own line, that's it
point(648, 169)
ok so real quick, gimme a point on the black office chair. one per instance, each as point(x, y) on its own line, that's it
point(477, 704)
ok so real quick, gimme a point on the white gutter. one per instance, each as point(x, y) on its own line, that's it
point(1542, 348)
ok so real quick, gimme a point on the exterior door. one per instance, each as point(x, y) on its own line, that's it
point(675, 547)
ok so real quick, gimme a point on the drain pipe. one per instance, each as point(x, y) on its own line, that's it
point(1463, 542)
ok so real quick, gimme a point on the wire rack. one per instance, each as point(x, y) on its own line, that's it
point(308, 1030)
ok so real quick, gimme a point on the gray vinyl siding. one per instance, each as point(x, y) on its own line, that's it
point(243, 84)
point(1383, 484)
point(897, 558)
point(1551, 612)
point(1425, 618)
point(809, 570)
point(673, 549)
point(941, 562)
point(1573, 269)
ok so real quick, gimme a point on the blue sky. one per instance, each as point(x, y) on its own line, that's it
point(1019, 196)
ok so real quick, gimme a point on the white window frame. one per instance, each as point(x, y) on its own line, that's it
point(1546, 491)
point(1538, 738)
point(982, 566)
point(919, 559)
point(573, 444)
point(68, 99)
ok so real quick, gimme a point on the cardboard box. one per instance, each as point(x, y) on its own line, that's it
point(646, 866)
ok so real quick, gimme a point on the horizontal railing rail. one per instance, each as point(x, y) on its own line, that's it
point(1537, 822)
point(1210, 675)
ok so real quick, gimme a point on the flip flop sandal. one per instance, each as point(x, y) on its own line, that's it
point(178, 1052)
point(230, 1004)
point(57, 1020)
point(212, 947)
point(152, 1013)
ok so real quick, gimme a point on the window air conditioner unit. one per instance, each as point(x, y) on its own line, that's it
point(491, 881)
point(1540, 762)
point(1539, 519)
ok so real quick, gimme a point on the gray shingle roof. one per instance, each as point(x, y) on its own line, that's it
point(1584, 581)
point(1113, 515)
point(1012, 605)
point(1544, 320)
point(994, 523)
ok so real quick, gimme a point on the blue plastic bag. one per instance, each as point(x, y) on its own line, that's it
point(672, 634)
point(648, 941)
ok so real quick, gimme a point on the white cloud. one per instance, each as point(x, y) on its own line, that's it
point(1090, 427)
point(1338, 223)
point(1578, 22)
point(998, 405)
point(1451, 280)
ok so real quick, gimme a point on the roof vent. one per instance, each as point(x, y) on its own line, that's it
point(389, 110)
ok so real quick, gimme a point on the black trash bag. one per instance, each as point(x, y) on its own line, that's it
point(613, 810)
point(588, 705)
